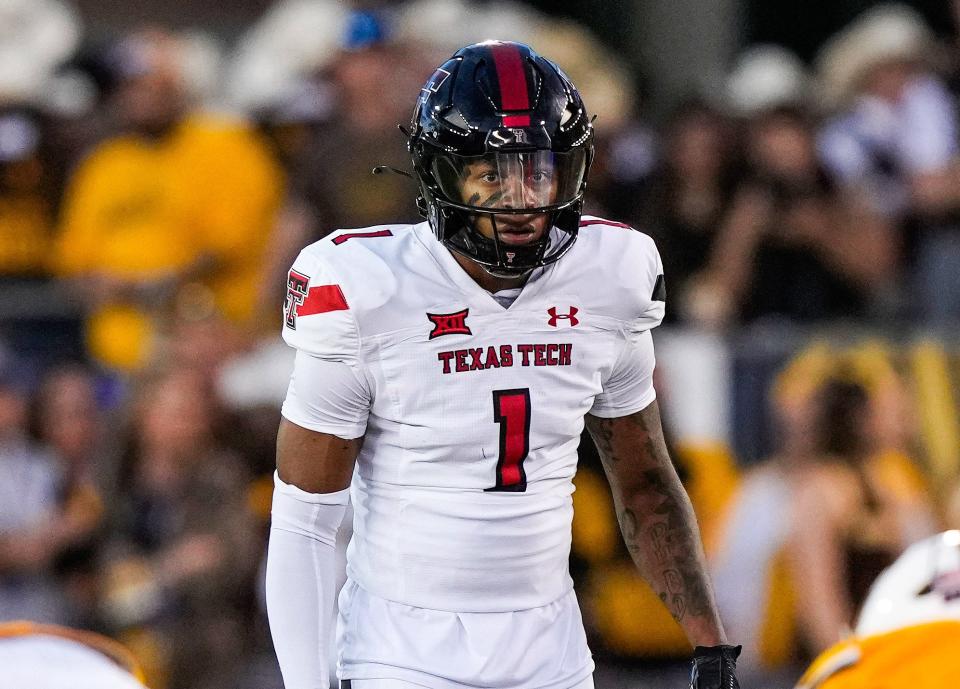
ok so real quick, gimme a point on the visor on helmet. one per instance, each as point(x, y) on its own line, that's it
point(511, 182)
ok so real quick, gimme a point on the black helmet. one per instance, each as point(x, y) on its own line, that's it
point(500, 110)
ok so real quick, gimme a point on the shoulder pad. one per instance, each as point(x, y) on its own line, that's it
point(317, 316)
point(631, 265)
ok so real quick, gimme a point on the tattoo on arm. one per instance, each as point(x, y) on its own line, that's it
point(601, 430)
point(674, 540)
point(655, 515)
point(628, 525)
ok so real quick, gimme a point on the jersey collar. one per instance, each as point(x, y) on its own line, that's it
point(476, 295)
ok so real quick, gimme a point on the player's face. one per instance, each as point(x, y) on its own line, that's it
point(524, 183)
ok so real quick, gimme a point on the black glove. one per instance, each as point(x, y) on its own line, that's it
point(714, 667)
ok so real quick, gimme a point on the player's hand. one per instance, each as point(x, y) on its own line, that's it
point(714, 667)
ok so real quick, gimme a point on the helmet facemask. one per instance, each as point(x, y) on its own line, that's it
point(475, 198)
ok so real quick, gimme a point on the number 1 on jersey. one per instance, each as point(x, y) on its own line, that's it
point(511, 409)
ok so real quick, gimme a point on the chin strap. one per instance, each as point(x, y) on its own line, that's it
point(512, 275)
point(482, 249)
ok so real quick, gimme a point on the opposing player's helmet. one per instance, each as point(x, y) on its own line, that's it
point(500, 105)
point(923, 585)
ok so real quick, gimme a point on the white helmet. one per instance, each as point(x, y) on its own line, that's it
point(923, 585)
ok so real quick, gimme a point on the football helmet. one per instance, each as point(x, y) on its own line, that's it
point(923, 585)
point(499, 113)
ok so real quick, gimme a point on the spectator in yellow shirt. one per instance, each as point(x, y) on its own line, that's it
point(26, 225)
point(169, 217)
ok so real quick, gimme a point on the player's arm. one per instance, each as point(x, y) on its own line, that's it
point(661, 533)
point(324, 420)
point(655, 514)
point(309, 501)
point(315, 462)
point(310, 498)
point(657, 519)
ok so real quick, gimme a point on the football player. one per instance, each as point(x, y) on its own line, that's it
point(908, 632)
point(444, 373)
point(46, 656)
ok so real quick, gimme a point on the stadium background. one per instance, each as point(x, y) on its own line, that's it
point(804, 197)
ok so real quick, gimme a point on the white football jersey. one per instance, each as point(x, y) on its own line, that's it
point(471, 412)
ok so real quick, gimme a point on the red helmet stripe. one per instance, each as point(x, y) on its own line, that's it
point(516, 120)
point(511, 76)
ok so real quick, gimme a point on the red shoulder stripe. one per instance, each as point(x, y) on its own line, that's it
point(340, 239)
point(321, 299)
point(600, 221)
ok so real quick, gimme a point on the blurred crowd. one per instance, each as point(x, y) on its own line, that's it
point(155, 188)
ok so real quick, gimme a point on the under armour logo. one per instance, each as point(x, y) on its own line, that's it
point(449, 323)
point(570, 317)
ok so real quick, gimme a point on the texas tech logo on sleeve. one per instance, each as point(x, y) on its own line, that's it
point(296, 295)
point(302, 300)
